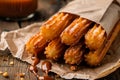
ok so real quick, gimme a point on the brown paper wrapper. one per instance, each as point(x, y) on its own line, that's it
point(104, 12)
point(15, 42)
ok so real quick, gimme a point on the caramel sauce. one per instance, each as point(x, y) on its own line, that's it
point(33, 69)
point(36, 61)
point(45, 66)
point(17, 8)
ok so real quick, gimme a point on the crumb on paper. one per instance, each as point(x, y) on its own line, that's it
point(22, 78)
point(11, 63)
point(73, 68)
point(22, 75)
point(1, 72)
point(5, 74)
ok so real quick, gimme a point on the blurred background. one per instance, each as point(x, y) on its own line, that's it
point(27, 9)
point(46, 8)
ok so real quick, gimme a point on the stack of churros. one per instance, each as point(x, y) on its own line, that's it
point(68, 36)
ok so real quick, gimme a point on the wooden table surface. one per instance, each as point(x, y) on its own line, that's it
point(22, 67)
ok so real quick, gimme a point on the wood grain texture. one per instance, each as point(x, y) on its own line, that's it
point(15, 69)
point(22, 67)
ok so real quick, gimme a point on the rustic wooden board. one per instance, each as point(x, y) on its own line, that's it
point(22, 67)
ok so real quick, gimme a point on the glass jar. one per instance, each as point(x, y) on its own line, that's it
point(17, 8)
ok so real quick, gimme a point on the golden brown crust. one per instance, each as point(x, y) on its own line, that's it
point(55, 25)
point(95, 37)
point(74, 54)
point(59, 31)
point(95, 40)
point(36, 44)
point(55, 49)
point(94, 58)
point(74, 32)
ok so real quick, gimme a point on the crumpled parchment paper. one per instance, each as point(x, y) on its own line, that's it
point(104, 12)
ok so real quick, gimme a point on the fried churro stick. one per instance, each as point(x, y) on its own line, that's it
point(74, 54)
point(55, 25)
point(73, 33)
point(93, 58)
point(36, 44)
point(95, 37)
point(55, 49)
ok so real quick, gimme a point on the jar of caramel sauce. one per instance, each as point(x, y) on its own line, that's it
point(17, 8)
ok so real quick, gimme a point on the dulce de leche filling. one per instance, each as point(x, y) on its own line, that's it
point(17, 8)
